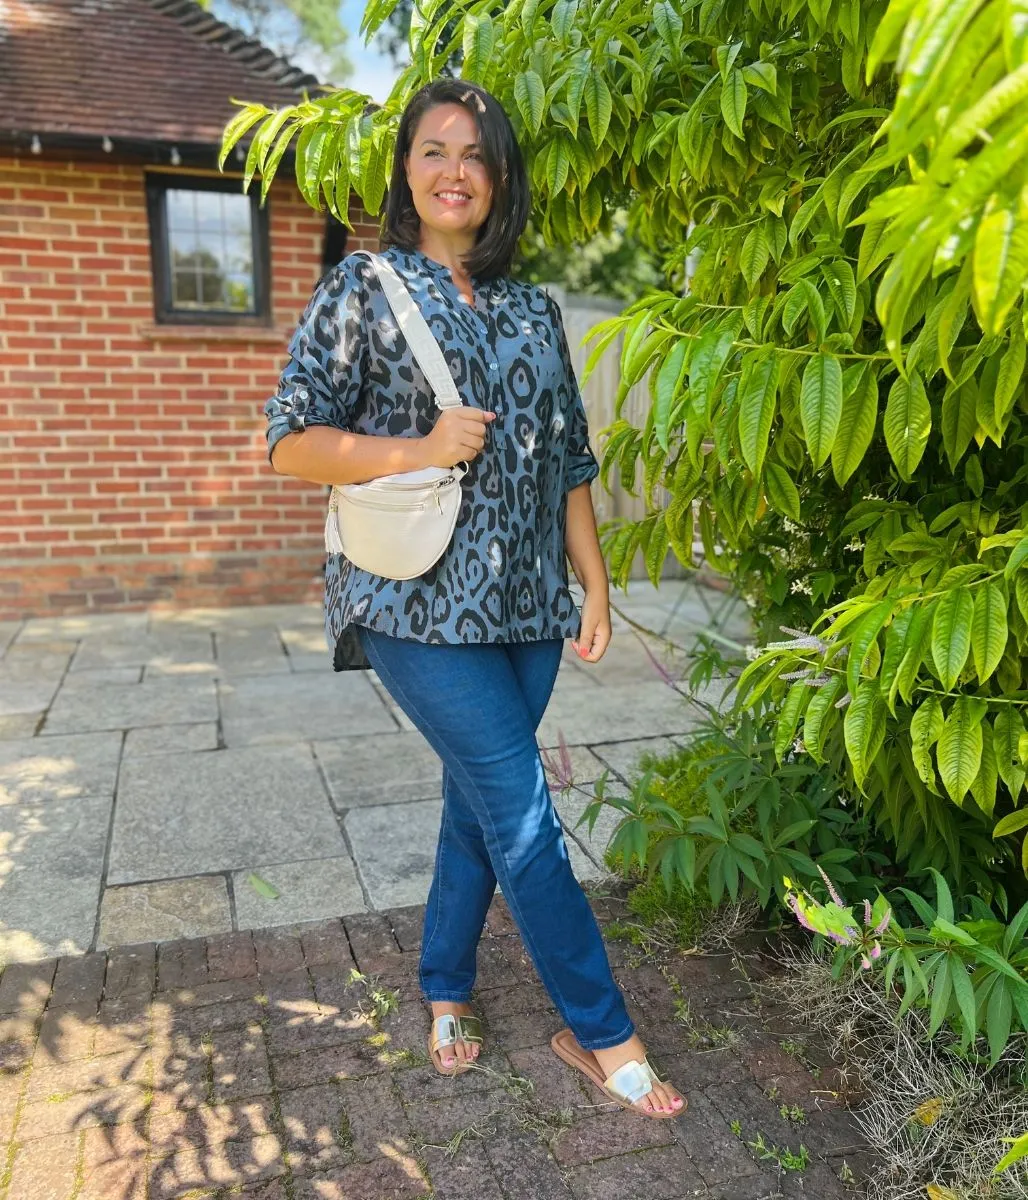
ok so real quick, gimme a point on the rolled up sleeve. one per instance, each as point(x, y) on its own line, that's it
point(328, 358)
point(581, 465)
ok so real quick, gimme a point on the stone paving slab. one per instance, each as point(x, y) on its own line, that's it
point(164, 911)
point(188, 814)
point(306, 891)
point(264, 709)
point(53, 853)
point(160, 702)
point(59, 768)
point(396, 767)
point(256, 1064)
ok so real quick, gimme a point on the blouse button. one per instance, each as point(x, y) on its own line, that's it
point(493, 365)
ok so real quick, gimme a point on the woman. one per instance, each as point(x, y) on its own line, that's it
point(470, 651)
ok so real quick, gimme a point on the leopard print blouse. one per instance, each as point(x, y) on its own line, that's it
point(504, 577)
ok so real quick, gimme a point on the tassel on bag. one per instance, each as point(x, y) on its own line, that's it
point(333, 542)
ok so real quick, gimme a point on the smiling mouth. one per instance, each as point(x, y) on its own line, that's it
point(452, 195)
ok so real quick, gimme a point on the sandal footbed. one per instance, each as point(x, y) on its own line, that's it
point(565, 1047)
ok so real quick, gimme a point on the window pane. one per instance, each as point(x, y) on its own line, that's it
point(210, 250)
point(183, 289)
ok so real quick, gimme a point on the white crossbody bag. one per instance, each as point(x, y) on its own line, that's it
point(399, 526)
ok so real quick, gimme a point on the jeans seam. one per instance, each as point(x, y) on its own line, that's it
point(439, 873)
point(508, 893)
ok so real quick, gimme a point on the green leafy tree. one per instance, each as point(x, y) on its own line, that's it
point(304, 31)
point(839, 398)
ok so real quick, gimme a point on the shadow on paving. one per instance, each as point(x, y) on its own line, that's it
point(259, 1065)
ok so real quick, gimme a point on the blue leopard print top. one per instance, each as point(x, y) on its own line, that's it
point(504, 577)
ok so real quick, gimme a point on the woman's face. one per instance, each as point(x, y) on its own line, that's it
point(446, 171)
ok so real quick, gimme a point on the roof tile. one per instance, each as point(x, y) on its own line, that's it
point(139, 70)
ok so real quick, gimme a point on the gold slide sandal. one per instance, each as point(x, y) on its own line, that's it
point(629, 1083)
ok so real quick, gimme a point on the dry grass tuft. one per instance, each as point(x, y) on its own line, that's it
point(932, 1114)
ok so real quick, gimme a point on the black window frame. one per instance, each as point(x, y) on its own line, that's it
point(158, 183)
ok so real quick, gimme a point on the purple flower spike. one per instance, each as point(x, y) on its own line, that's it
point(837, 899)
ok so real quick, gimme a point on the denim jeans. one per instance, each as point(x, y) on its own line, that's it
point(478, 706)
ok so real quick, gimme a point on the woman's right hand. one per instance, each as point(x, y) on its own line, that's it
point(457, 436)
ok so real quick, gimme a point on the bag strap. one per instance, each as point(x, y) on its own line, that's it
point(420, 338)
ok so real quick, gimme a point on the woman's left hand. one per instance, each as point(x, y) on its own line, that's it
point(596, 632)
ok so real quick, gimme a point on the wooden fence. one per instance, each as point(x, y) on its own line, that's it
point(580, 313)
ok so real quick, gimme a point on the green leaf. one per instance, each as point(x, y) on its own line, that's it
point(908, 420)
point(558, 164)
point(1015, 34)
point(733, 102)
point(1008, 729)
point(959, 752)
point(989, 629)
point(942, 992)
point(245, 119)
point(964, 993)
point(959, 421)
point(796, 700)
point(1017, 557)
point(953, 316)
point(951, 634)
point(669, 379)
point(530, 97)
point(997, 1023)
point(822, 703)
point(479, 41)
point(668, 23)
point(1000, 264)
point(857, 421)
point(781, 491)
point(864, 729)
point(656, 551)
point(795, 307)
point(705, 367)
point(865, 635)
point(756, 250)
point(761, 75)
point(261, 886)
point(1011, 823)
point(757, 411)
point(1011, 374)
point(838, 275)
point(873, 248)
point(815, 308)
point(598, 106)
point(925, 728)
point(821, 405)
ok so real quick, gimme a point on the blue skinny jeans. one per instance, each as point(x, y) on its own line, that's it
point(479, 706)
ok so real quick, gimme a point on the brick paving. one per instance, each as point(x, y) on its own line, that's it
point(255, 1064)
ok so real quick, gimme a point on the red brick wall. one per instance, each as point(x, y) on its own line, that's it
point(133, 469)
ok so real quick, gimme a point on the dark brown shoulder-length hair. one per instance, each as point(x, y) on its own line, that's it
point(497, 241)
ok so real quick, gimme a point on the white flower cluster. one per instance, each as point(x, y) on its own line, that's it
point(801, 585)
point(855, 544)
